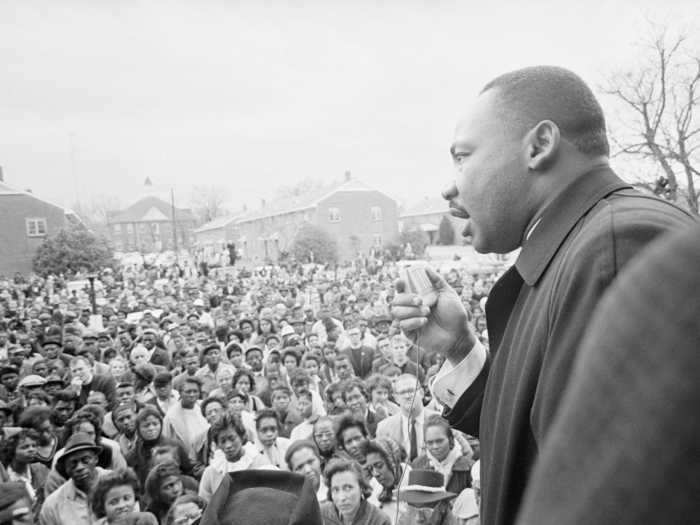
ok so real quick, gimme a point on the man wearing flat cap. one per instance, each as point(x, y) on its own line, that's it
point(213, 367)
point(70, 503)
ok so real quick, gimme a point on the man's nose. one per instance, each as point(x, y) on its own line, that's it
point(450, 191)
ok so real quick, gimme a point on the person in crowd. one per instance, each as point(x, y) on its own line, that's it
point(87, 422)
point(184, 420)
point(213, 367)
point(300, 381)
point(386, 463)
point(324, 439)
point(303, 458)
point(361, 356)
point(149, 434)
point(115, 497)
point(343, 368)
point(552, 193)
point(18, 456)
point(124, 416)
point(244, 382)
point(86, 381)
point(191, 364)
point(165, 397)
point(407, 427)
point(288, 419)
point(270, 443)
point(444, 454)
point(230, 437)
point(400, 358)
point(426, 501)
point(304, 407)
point(65, 403)
point(357, 399)
point(163, 486)
point(69, 504)
point(380, 389)
point(351, 437)
point(39, 420)
point(347, 497)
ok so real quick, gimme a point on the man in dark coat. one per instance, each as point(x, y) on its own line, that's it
point(532, 171)
point(627, 429)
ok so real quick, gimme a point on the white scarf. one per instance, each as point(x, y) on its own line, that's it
point(444, 467)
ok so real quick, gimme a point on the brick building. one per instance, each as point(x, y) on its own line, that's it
point(25, 221)
point(426, 215)
point(147, 226)
point(356, 215)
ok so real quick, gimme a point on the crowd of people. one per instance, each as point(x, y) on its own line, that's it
point(136, 398)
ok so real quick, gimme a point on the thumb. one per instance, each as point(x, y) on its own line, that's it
point(436, 279)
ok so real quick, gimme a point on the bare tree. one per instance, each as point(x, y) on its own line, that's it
point(662, 96)
point(208, 202)
point(95, 212)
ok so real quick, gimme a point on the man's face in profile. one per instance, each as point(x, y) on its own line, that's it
point(491, 178)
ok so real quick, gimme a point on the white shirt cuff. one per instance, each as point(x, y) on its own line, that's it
point(452, 381)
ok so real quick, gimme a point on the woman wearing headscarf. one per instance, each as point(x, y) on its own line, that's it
point(445, 454)
point(386, 463)
point(149, 430)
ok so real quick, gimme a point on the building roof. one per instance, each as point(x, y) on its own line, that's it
point(149, 209)
point(427, 206)
point(9, 190)
point(305, 201)
point(220, 222)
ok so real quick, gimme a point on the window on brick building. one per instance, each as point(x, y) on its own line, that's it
point(376, 213)
point(36, 227)
point(117, 228)
point(129, 228)
point(334, 214)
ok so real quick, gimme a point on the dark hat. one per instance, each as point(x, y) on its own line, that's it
point(271, 497)
point(53, 379)
point(212, 345)
point(77, 442)
point(8, 369)
point(424, 487)
point(162, 379)
point(253, 347)
point(145, 371)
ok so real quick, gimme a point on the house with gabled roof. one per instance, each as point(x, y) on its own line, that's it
point(147, 225)
point(358, 216)
point(25, 222)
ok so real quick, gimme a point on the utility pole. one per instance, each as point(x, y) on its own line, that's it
point(172, 213)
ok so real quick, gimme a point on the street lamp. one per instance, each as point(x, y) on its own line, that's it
point(91, 278)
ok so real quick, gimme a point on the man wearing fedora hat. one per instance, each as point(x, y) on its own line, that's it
point(69, 504)
point(428, 501)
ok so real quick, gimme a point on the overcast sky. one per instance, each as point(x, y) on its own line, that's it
point(96, 95)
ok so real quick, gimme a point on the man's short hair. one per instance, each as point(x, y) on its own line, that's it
point(537, 93)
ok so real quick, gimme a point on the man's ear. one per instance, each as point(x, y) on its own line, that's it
point(542, 145)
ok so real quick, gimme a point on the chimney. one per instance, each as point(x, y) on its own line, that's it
point(2, 177)
point(348, 175)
